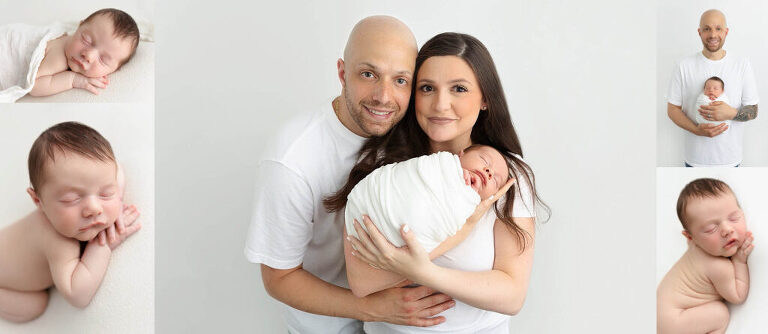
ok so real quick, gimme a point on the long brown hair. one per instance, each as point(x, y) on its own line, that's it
point(493, 128)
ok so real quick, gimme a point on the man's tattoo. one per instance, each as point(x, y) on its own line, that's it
point(746, 113)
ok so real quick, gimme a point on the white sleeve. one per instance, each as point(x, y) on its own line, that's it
point(675, 92)
point(281, 225)
point(524, 202)
point(749, 89)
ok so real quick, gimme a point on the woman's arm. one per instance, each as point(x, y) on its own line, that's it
point(501, 289)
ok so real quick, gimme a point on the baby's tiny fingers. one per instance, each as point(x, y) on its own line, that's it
point(102, 238)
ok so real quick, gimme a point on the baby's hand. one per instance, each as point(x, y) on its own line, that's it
point(467, 177)
point(124, 227)
point(745, 249)
point(89, 84)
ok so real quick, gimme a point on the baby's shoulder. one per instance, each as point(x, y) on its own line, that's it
point(55, 59)
point(711, 265)
point(45, 235)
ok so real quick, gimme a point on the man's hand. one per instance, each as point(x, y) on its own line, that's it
point(710, 130)
point(745, 249)
point(124, 227)
point(407, 306)
point(89, 84)
point(717, 111)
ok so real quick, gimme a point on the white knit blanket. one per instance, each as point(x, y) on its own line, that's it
point(428, 193)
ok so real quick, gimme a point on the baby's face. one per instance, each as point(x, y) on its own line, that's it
point(713, 89)
point(716, 224)
point(80, 196)
point(94, 51)
point(487, 168)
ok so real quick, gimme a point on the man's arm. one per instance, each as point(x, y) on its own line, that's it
point(746, 113)
point(677, 116)
point(300, 289)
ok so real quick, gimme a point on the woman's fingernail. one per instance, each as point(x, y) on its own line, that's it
point(348, 239)
point(406, 228)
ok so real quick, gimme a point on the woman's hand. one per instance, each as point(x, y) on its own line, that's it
point(411, 260)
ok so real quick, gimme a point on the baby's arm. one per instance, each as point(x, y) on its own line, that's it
point(56, 83)
point(731, 277)
point(78, 278)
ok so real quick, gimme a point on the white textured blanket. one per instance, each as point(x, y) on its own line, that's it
point(703, 100)
point(22, 48)
point(428, 193)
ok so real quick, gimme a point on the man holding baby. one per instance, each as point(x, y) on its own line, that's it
point(717, 142)
point(296, 241)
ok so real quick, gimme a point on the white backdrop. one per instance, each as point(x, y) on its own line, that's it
point(125, 301)
point(677, 38)
point(234, 72)
point(749, 185)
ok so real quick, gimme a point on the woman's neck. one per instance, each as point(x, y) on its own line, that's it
point(453, 146)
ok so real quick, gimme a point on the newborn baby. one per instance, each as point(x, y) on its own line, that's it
point(690, 297)
point(434, 194)
point(44, 61)
point(713, 91)
point(67, 241)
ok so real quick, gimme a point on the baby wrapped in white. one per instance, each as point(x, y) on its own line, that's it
point(428, 193)
point(703, 100)
point(22, 49)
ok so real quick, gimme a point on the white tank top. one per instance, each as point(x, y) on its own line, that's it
point(475, 253)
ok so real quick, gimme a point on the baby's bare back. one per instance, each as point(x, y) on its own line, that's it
point(686, 285)
point(23, 248)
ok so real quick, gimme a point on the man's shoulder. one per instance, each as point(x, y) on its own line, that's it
point(299, 130)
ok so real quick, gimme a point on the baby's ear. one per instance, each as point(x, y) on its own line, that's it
point(687, 235)
point(461, 153)
point(34, 196)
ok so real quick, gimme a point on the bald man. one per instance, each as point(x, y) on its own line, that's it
point(708, 144)
point(298, 243)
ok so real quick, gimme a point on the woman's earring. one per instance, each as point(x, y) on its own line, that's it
point(484, 108)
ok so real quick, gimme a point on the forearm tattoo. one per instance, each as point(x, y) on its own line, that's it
point(746, 113)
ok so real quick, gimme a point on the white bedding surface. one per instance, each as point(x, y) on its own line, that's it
point(125, 301)
point(132, 83)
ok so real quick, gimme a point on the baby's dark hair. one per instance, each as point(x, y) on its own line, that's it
point(477, 146)
point(715, 78)
point(124, 26)
point(700, 188)
point(67, 137)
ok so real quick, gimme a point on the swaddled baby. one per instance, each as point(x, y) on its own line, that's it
point(44, 61)
point(434, 194)
point(714, 90)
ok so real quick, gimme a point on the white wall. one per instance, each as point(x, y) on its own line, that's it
point(749, 185)
point(677, 38)
point(125, 301)
point(229, 73)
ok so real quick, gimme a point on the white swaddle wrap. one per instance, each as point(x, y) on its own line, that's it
point(22, 48)
point(704, 100)
point(428, 193)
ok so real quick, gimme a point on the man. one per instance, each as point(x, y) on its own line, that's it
point(710, 144)
point(298, 243)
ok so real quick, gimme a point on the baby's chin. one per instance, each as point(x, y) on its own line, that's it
point(90, 233)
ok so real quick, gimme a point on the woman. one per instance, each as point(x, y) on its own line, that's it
point(458, 101)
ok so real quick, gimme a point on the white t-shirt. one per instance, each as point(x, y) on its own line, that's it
point(309, 159)
point(475, 253)
point(686, 84)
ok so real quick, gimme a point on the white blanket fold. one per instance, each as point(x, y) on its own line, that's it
point(22, 48)
point(428, 193)
point(703, 100)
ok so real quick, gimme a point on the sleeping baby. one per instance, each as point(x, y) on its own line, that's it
point(67, 241)
point(44, 61)
point(690, 297)
point(450, 186)
point(713, 91)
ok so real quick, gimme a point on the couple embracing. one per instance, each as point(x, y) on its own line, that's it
point(396, 103)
